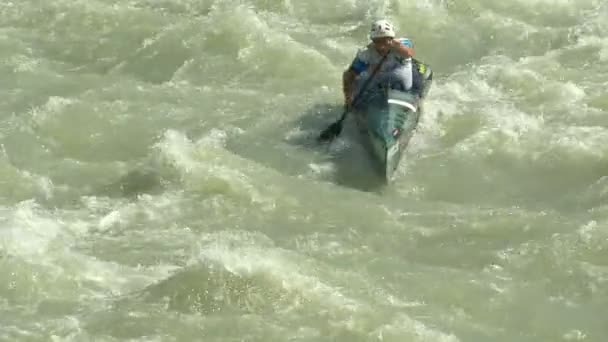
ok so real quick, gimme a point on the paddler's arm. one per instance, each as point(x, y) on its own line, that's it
point(349, 77)
point(348, 82)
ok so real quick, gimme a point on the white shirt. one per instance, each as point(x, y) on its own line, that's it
point(370, 56)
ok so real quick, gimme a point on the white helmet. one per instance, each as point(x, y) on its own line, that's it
point(381, 28)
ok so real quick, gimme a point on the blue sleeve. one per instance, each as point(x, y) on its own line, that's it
point(358, 66)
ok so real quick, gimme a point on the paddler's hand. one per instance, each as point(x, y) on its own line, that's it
point(401, 49)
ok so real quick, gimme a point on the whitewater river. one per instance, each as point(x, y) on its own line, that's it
point(160, 181)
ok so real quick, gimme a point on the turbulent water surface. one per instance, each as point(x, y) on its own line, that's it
point(159, 178)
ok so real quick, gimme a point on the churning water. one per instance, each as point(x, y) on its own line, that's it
point(159, 179)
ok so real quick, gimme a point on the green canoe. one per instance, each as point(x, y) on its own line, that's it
point(386, 126)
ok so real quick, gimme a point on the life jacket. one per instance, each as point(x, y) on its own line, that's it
point(421, 75)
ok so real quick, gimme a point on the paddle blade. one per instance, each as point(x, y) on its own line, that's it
point(331, 132)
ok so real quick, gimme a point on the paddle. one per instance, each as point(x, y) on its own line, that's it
point(336, 128)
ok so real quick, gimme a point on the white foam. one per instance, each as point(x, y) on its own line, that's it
point(404, 327)
point(206, 166)
point(28, 233)
point(241, 259)
point(53, 106)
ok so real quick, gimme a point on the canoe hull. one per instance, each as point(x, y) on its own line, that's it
point(388, 120)
point(387, 130)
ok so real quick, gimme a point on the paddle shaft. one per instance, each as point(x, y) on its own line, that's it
point(364, 87)
point(335, 128)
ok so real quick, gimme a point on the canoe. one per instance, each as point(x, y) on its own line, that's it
point(387, 123)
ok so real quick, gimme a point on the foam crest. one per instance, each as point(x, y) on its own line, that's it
point(246, 44)
point(404, 326)
point(22, 185)
point(28, 233)
point(206, 166)
point(239, 257)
